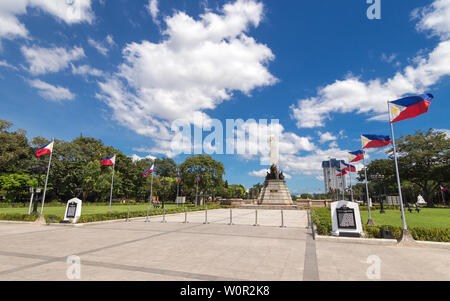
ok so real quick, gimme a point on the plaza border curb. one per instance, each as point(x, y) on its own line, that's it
point(383, 241)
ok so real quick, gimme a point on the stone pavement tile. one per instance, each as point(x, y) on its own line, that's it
point(347, 261)
point(10, 262)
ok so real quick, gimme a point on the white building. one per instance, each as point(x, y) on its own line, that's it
point(332, 182)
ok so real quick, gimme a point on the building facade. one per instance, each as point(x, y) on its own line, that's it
point(332, 182)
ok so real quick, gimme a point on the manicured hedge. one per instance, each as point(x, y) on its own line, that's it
point(322, 219)
point(29, 218)
point(123, 215)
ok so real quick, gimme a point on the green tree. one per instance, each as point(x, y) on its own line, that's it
point(424, 161)
point(15, 153)
point(209, 170)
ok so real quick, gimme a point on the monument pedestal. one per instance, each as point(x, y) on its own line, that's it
point(275, 192)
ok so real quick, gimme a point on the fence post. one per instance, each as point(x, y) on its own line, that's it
point(164, 215)
point(185, 215)
point(256, 218)
point(231, 217)
point(128, 214)
point(282, 220)
point(206, 216)
point(146, 217)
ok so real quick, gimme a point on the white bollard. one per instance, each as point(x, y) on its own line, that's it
point(256, 218)
point(282, 220)
point(231, 217)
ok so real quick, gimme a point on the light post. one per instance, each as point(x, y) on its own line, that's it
point(378, 178)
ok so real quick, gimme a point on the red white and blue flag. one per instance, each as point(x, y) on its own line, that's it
point(348, 167)
point(149, 171)
point(179, 177)
point(48, 149)
point(109, 161)
point(409, 107)
point(375, 141)
point(340, 172)
point(444, 188)
point(356, 156)
point(198, 178)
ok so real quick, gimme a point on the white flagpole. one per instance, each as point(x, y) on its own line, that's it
point(405, 228)
point(369, 221)
point(46, 179)
point(351, 188)
point(112, 184)
point(151, 186)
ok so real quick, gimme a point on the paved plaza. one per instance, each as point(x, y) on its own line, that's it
point(139, 250)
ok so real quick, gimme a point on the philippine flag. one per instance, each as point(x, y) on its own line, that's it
point(48, 149)
point(340, 172)
point(149, 171)
point(349, 167)
point(444, 188)
point(356, 156)
point(109, 161)
point(198, 178)
point(179, 177)
point(409, 107)
point(375, 141)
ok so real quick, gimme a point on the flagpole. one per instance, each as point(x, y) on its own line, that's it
point(151, 187)
point(46, 179)
point(369, 221)
point(196, 193)
point(343, 187)
point(405, 228)
point(351, 188)
point(112, 184)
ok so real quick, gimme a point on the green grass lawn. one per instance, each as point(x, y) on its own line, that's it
point(428, 217)
point(85, 210)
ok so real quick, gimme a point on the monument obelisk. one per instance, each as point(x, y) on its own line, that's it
point(274, 191)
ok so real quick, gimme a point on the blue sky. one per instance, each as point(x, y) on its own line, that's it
point(122, 71)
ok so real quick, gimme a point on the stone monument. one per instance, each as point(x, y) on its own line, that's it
point(73, 211)
point(346, 219)
point(274, 191)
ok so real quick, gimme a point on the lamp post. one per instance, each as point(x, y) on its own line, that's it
point(38, 169)
point(164, 182)
point(378, 178)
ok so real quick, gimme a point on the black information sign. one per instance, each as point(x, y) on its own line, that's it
point(72, 210)
point(346, 218)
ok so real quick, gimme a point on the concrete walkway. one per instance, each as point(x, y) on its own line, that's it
point(140, 250)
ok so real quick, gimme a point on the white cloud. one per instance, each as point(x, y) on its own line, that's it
point(370, 98)
point(325, 137)
point(153, 10)
point(388, 58)
point(435, 18)
point(350, 95)
point(259, 173)
point(85, 70)
point(50, 60)
point(50, 92)
point(4, 63)
point(197, 66)
point(11, 27)
point(445, 131)
point(110, 40)
point(136, 158)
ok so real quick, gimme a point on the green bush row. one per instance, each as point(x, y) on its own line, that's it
point(29, 218)
point(322, 219)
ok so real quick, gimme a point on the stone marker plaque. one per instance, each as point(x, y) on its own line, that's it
point(346, 219)
point(73, 211)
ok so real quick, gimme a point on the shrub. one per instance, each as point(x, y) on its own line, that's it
point(322, 219)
